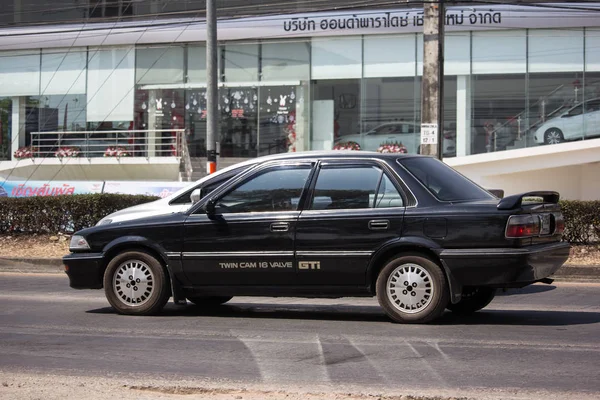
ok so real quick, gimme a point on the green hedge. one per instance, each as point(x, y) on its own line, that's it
point(582, 221)
point(68, 213)
point(45, 214)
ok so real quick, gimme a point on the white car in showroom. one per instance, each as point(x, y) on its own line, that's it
point(578, 122)
point(407, 133)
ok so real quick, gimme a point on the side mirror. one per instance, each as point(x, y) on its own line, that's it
point(210, 207)
point(195, 196)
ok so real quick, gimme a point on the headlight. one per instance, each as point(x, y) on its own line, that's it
point(78, 243)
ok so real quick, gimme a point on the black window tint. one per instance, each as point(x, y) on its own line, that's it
point(388, 195)
point(577, 110)
point(442, 181)
point(345, 188)
point(273, 190)
point(207, 187)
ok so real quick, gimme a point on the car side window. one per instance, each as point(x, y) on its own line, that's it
point(355, 187)
point(271, 190)
point(385, 130)
point(576, 111)
point(387, 195)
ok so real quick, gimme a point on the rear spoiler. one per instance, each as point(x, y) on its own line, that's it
point(515, 201)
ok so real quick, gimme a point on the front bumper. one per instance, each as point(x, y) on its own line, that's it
point(85, 270)
point(505, 267)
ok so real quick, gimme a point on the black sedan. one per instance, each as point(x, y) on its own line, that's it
point(405, 228)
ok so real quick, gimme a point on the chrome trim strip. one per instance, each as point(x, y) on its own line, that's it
point(333, 253)
point(173, 255)
point(239, 254)
point(494, 252)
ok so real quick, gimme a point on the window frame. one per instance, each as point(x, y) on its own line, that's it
point(220, 179)
point(250, 174)
point(341, 163)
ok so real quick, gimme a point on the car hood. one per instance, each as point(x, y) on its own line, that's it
point(153, 208)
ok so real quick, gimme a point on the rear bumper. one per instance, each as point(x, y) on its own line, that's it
point(505, 266)
point(85, 270)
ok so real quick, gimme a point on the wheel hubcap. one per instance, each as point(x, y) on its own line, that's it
point(133, 282)
point(553, 137)
point(409, 288)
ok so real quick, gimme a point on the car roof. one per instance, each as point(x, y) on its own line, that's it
point(333, 154)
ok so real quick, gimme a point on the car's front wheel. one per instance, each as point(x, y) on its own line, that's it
point(135, 283)
point(209, 301)
point(553, 136)
point(412, 289)
point(473, 299)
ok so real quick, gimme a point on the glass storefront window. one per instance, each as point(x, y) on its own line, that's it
point(5, 128)
point(110, 84)
point(157, 110)
point(284, 61)
point(335, 112)
point(239, 121)
point(63, 71)
point(389, 114)
point(241, 62)
point(20, 73)
point(336, 58)
point(159, 65)
point(497, 102)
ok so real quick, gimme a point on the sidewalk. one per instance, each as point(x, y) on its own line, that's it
point(568, 272)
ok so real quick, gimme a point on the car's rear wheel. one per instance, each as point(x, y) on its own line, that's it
point(209, 301)
point(553, 136)
point(135, 283)
point(412, 289)
point(473, 299)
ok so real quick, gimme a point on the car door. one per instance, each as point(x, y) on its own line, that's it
point(353, 208)
point(592, 119)
point(249, 239)
point(572, 123)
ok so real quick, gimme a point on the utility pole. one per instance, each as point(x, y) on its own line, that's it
point(212, 95)
point(432, 91)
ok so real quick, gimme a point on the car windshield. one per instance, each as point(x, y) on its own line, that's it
point(444, 182)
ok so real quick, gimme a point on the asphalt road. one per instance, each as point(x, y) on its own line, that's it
point(543, 341)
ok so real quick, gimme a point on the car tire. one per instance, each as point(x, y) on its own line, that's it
point(472, 300)
point(553, 136)
point(210, 301)
point(136, 283)
point(412, 288)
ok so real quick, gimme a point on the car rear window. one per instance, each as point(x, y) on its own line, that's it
point(443, 182)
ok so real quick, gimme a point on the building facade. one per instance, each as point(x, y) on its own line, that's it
point(516, 77)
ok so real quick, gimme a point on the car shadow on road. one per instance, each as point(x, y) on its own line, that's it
point(526, 290)
point(521, 318)
point(373, 314)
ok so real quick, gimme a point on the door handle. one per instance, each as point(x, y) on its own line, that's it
point(379, 224)
point(280, 227)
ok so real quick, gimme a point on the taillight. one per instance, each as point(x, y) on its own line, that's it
point(559, 224)
point(522, 226)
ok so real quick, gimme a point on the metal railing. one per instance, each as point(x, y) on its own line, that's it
point(186, 160)
point(541, 104)
point(116, 143)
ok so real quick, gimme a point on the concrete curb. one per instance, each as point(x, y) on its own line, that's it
point(568, 272)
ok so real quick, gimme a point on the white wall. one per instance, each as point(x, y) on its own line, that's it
point(573, 183)
point(572, 169)
point(132, 169)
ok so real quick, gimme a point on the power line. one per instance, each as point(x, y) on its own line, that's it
point(87, 101)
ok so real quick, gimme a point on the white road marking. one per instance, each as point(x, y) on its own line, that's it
point(380, 371)
point(427, 365)
point(436, 346)
point(281, 361)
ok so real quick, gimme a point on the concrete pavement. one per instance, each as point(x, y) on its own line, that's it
point(540, 342)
